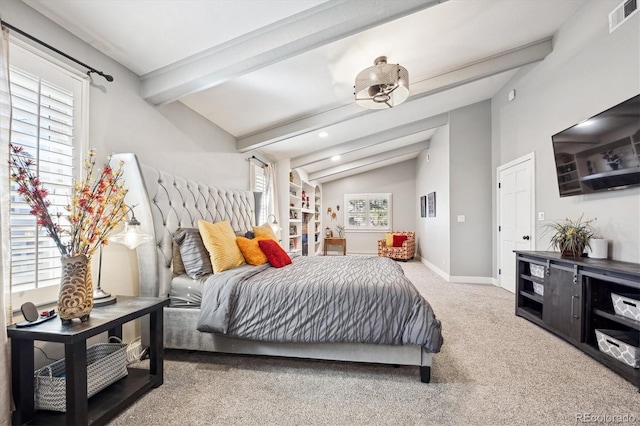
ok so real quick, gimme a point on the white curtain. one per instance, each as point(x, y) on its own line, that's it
point(271, 192)
point(5, 283)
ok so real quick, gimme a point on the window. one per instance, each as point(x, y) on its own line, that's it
point(47, 114)
point(259, 184)
point(368, 212)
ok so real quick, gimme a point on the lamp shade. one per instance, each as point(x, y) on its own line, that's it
point(382, 85)
point(130, 236)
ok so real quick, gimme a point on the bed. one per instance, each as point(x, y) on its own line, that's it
point(164, 202)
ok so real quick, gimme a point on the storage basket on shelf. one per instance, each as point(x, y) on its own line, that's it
point(538, 288)
point(622, 345)
point(537, 271)
point(626, 305)
point(106, 364)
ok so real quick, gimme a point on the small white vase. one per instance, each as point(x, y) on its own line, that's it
point(599, 248)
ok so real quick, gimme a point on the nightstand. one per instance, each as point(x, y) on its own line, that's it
point(110, 401)
point(335, 241)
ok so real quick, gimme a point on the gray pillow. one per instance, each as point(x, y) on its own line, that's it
point(177, 266)
point(195, 256)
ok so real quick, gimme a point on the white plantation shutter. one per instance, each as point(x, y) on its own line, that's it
point(46, 110)
point(368, 212)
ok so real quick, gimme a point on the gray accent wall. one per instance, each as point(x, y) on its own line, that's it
point(589, 71)
point(433, 238)
point(457, 167)
point(398, 179)
point(470, 184)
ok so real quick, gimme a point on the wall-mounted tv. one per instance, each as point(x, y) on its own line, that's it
point(601, 153)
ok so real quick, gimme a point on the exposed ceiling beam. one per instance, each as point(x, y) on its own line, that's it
point(363, 162)
point(495, 64)
point(370, 140)
point(304, 31)
point(373, 166)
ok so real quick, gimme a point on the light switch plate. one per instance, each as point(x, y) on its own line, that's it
point(540, 215)
point(461, 218)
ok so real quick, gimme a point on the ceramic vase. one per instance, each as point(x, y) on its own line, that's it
point(75, 299)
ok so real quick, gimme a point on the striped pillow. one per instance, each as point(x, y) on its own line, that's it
point(193, 252)
point(220, 241)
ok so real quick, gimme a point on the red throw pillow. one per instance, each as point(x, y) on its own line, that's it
point(399, 239)
point(276, 256)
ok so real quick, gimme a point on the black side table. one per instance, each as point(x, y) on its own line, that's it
point(107, 403)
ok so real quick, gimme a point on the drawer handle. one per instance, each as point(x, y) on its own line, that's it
point(629, 303)
point(612, 343)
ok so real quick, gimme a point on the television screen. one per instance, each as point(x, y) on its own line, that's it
point(601, 153)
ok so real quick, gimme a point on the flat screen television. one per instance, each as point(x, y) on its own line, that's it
point(601, 153)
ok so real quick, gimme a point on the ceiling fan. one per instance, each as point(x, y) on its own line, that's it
point(382, 85)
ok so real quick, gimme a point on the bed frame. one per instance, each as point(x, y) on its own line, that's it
point(163, 203)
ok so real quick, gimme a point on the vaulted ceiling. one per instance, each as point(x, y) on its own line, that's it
point(277, 73)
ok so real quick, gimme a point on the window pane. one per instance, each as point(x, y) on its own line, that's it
point(379, 212)
point(357, 212)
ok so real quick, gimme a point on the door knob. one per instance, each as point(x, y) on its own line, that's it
point(525, 237)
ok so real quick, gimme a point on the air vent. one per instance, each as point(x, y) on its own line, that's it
point(622, 13)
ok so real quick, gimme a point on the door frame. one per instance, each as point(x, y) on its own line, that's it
point(532, 225)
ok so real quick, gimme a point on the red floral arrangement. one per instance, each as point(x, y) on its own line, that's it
point(95, 209)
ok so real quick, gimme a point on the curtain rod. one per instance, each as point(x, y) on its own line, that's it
point(253, 157)
point(59, 52)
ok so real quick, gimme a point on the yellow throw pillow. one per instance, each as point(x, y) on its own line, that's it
point(251, 250)
point(265, 230)
point(389, 237)
point(220, 241)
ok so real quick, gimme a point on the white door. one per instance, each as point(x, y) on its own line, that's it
point(515, 216)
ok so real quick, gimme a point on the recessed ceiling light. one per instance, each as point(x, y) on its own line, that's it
point(335, 158)
point(323, 134)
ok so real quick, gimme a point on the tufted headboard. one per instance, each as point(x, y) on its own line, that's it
point(164, 202)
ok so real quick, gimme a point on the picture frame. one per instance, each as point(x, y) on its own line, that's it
point(423, 206)
point(431, 204)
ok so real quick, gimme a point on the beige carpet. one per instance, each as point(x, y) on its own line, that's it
point(494, 369)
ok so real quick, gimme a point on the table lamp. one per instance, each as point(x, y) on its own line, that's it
point(131, 237)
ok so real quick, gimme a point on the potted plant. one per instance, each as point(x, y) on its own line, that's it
point(571, 237)
point(96, 207)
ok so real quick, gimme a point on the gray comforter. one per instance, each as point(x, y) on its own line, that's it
point(320, 299)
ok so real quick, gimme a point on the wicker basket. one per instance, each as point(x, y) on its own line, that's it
point(106, 364)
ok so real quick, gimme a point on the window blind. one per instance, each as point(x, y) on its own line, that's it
point(43, 124)
point(368, 212)
point(260, 185)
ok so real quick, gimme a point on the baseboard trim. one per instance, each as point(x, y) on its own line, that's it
point(459, 279)
point(472, 280)
point(435, 269)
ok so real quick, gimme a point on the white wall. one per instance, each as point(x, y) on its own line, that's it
point(398, 179)
point(588, 71)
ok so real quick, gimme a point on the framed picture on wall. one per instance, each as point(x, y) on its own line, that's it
point(423, 206)
point(431, 204)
